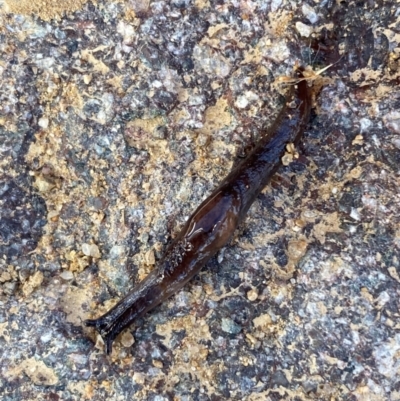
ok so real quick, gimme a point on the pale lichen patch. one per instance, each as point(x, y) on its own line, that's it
point(45, 9)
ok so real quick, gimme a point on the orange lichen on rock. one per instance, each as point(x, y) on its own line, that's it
point(45, 9)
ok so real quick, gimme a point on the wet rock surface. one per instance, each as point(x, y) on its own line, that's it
point(118, 119)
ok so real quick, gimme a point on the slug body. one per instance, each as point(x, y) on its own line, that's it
point(213, 223)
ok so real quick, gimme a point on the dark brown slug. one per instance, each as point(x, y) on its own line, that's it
point(213, 223)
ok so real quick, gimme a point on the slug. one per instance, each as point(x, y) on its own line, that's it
point(213, 223)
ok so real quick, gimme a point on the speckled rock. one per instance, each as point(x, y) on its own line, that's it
point(116, 121)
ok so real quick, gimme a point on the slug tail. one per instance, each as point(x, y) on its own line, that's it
point(107, 333)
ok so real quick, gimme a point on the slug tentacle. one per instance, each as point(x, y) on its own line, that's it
point(213, 223)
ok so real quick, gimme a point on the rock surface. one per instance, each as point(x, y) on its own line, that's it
point(117, 119)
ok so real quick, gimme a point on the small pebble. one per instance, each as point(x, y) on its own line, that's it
point(150, 258)
point(252, 295)
point(67, 275)
point(91, 250)
point(303, 29)
point(229, 326)
point(139, 378)
point(127, 339)
point(43, 122)
point(157, 364)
